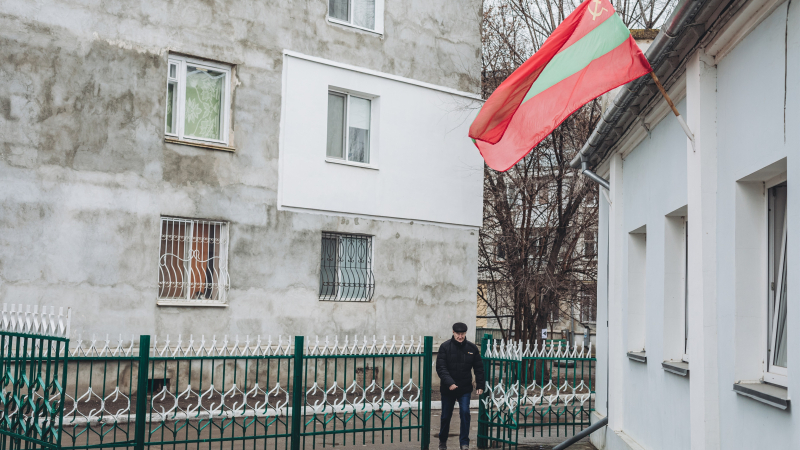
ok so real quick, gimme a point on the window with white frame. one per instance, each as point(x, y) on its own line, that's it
point(500, 250)
point(346, 268)
point(675, 288)
point(637, 289)
point(588, 303)
point(776, 360)
point(193, 262)
point(539, 246)
point(589, 244)
point(543, 196)
point(198, 103)
point(366, 14)
point(349, 123)
point(685, 290)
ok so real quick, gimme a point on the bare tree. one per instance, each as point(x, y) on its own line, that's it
point(539, 221)
point(537, 245)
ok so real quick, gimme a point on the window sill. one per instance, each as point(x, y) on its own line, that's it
point(350, 163)
point(199, 144)
point(345, 300)
point(769, 394)
point(677, 367)
point(350, 25)
point(198, 303)
point(638, 357)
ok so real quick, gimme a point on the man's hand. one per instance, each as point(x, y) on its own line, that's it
point(479, 391)
point(453, 387)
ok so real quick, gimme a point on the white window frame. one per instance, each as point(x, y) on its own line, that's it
point(685, 301)
point(180, 109)
point(379, 9)
point(372, 147)
point(223, 276)
point(772, 373)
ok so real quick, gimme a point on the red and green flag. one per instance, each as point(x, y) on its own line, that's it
point(589, 54)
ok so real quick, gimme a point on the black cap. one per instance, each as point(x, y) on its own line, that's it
point(459, 327)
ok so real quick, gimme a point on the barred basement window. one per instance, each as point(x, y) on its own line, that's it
point(346, 268)
point(193, 267)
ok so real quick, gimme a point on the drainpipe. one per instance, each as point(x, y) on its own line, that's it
point(593, 176)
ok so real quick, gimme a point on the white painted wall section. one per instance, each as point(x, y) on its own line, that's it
point(422, 166)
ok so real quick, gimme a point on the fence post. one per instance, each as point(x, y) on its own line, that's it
point(427, 375)
point(297, 392)
point(141, 392)
point(483, 428)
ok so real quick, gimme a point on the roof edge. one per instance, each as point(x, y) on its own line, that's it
point(664, 44)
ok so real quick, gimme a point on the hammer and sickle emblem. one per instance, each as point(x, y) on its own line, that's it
point(597, 9)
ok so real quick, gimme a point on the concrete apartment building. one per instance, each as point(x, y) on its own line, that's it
point(248, 167)
point(698, 329)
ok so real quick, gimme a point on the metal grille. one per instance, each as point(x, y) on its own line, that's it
point(533, 390)
point(346, 268)
point(193, 266)
point(33, 370)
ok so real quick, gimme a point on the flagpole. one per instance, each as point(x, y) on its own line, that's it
point(674, 109)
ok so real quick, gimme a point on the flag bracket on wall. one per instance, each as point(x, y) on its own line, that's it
point(590, 53)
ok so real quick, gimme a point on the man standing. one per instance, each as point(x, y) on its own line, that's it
point(456, 360)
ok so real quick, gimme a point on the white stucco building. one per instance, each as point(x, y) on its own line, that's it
point(698, 329)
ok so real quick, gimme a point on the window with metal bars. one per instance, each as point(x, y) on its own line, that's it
point(346, 268)
point(193, 264)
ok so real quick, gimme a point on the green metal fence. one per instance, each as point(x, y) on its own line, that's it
point(532, 391)
point(32, 397)
point(209, 393)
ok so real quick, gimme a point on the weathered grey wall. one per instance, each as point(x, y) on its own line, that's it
point(85, 173)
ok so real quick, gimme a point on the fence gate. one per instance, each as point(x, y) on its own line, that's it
point(33, 369)
point(531, 391)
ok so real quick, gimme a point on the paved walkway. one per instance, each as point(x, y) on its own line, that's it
point(526, 443)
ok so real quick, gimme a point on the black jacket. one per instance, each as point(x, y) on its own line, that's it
point(454, 365)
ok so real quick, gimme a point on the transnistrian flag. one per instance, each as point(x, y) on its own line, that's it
point(589, 54)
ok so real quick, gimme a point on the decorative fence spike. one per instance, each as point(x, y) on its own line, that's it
point(517, 350)
point(30, 320)
point(247, 346)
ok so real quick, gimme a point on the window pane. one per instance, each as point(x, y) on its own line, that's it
point(171, 265)
point(171, 97)
point(364, 13)
point(358, 145)
point(354, 266)
point(338, 9)
point(204, 92)
point(780, 339)
point(336, 124)
point(204, 264)
point(328, 274)
point(173, 70)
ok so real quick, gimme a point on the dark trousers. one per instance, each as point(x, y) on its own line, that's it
point(448, 402)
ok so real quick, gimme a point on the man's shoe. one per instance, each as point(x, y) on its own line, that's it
point(465, 447)
point(442, 445)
